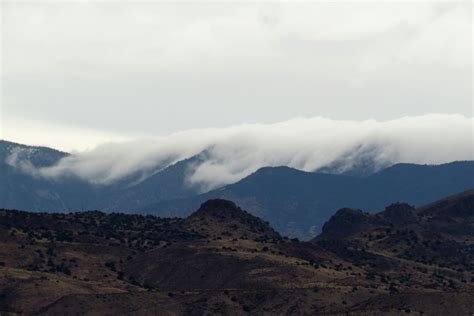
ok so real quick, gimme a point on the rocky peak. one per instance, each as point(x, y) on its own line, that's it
point(220, 218)
point(219, 208)
point(345, 223)
point(399, 213)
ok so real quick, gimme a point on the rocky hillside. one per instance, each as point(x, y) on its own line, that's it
point(440, 234)
point(223, 260)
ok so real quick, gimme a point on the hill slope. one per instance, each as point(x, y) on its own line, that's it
point(220, 260)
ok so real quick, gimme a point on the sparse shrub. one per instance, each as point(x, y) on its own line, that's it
point(392, 289)
point(111, 265)
point(120, 275)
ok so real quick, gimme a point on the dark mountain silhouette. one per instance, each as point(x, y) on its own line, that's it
point(297, 203)
point(223, 260)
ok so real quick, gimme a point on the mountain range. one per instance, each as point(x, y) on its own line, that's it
point(296, 203)
point(223, 260)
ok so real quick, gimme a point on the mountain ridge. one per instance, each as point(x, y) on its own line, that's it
point(295, 202)
point(306, 200)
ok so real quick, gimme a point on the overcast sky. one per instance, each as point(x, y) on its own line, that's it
point(75, 74)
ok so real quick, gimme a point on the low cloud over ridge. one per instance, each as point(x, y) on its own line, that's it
point(303, 143)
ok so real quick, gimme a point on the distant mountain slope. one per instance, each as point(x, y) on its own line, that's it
point(37, 155)
point(297, 203)
point(359, 161)
point(167, 184)
point(21, 190)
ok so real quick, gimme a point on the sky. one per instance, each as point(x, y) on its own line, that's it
point(77, 74)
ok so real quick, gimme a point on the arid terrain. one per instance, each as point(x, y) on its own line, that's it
point(223, 260)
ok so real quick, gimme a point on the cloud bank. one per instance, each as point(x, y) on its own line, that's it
point(303, 143)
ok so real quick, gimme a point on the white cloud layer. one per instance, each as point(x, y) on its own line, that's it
point(303, 143)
